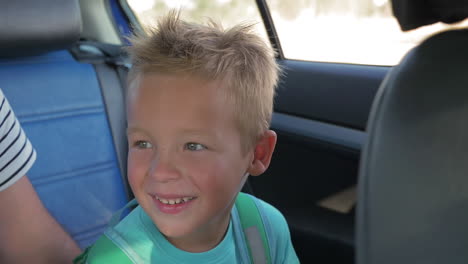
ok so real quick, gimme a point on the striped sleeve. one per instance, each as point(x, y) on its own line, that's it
point(16, 152)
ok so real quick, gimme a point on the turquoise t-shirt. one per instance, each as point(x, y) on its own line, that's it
point(137, 226)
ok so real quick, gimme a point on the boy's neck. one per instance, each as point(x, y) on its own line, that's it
point(205, 239)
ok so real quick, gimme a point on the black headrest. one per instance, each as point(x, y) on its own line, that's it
point(413, 185)
point(29, 27)
point(412, 14)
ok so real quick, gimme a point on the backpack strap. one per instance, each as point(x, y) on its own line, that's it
point(117, 216)
point(254, 230)
point(105, 251)
point(111, 65)
point(112, 253)
point(94, 255)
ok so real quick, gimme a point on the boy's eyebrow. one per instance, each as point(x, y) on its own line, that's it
point(131, 130)
point(199, 132)
point(190, 131)
point(187, 131)
point(202, 134)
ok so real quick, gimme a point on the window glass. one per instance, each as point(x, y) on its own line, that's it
point(345, 31)
point(228, 12)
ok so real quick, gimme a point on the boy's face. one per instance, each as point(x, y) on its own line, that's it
point(185, 148)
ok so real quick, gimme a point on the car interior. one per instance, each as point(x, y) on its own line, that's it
point(370, 161)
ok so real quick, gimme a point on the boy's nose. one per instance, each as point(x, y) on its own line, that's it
point(163, 170)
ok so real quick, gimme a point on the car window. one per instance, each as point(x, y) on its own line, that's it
point(345, 31)
point(228, 12)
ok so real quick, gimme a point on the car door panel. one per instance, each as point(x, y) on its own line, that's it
point(335, 93)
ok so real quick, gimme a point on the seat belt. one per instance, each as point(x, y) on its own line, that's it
point(114, 102)
point(111, 69)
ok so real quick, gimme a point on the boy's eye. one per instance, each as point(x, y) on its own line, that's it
point(194, 146)
point(142, 144)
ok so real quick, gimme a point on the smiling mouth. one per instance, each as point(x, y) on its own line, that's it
point(175, 201)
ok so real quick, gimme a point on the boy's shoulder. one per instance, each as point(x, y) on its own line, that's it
point(274, 221)
point(277, 232)
point(270, 210)
point(269, 213)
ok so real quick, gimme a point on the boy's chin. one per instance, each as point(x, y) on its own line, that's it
point(173, 228)
point(183, 231)
point(173, 231)
point(187, 240)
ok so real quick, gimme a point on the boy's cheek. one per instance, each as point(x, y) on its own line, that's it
point(135, 171)
point(131, 180)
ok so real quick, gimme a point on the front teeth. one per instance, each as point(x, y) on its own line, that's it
point(175, 201)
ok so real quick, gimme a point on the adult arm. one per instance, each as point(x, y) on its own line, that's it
point(29, 234)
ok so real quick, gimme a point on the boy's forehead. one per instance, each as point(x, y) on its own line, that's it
point(182, 95)
point(155, 83)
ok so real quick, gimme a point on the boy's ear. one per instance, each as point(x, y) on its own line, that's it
point(262, 153)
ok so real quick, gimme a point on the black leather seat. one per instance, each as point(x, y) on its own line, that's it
point(413, 182)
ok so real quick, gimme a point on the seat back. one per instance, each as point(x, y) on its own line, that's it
point(59, 103)
point(413, 180)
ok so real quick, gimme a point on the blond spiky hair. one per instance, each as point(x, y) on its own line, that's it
point(237, 57)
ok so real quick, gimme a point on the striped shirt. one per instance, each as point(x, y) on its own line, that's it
point(16, 152)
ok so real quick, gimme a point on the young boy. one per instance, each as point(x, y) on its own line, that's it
point(200, 101)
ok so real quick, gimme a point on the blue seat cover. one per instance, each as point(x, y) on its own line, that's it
point(59, 104)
